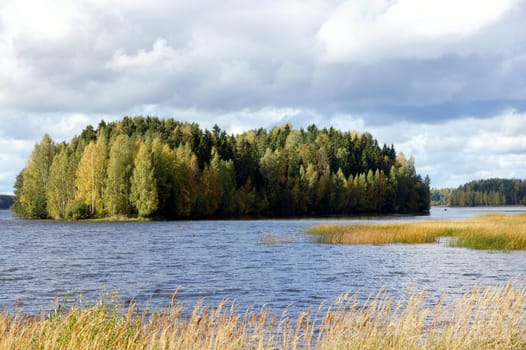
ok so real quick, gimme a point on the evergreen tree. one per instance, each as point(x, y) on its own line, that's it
point(271, 167)
point(209, 199)
point(227, 182)
point(339, 193)
point(162, 162)
point(488, 192)
point(186, 179)
point(309, 179)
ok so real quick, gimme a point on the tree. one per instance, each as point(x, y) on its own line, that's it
point(162, 162)
point(196, 173)
point(339, 194)
point(209, 199)
point(360, 184)
point(61, 185)
point(489, 192)
point(246, 199)
point(246, 159)
point(309, 179)
point(32, 194)
point(120, 166)
point(227, 181)
point(272, 169)
point(218, 184)
point(185, 180)
point(143, 184)
point(91, 175)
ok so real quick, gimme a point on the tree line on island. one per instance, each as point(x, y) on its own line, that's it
point(162, 168)
point(489, 192)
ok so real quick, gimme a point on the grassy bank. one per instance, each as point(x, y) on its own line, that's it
point(492, 231)
point(481, 318)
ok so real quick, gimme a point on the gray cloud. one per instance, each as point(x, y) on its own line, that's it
point(389, 66)
point(254, 55)
point(464, 149)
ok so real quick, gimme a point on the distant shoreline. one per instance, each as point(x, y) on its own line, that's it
point(6, 201)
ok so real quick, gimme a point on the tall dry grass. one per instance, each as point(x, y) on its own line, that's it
point(482, 318)
point(492, 231)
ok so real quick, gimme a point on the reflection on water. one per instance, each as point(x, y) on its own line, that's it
point(254, 262)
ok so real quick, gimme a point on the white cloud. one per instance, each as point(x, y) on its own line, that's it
point(63, 128)
point(366, 31)
point(39, 20)
point(231, 56)
point(451, 153)
point(242, 65)
point(161, 56)
point(19, 134)
point(13, 158)
point(232, 122)
point(461, 150)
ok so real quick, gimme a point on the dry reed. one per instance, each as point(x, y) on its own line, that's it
point(489, 317)
point(493, 231)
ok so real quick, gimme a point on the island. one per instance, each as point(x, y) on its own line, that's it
point(147, 167)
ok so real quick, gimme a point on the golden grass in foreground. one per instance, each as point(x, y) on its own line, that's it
point(483, 318)
point(492, 231)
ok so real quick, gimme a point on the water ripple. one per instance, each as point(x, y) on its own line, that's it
point(255, 263)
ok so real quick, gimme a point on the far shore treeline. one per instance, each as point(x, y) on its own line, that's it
point(162, 168)
point(488, 192)
point(5, 201)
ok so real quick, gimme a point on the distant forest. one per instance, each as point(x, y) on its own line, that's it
point(162, 168)
point(488, 192)
point(5, 201)
point(440, 196)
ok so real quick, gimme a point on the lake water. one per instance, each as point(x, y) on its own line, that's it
point(266, 262)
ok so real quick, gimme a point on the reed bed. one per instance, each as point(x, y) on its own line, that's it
point(491, 231)
point(481, 318)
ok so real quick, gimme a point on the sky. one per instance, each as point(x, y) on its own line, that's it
point(444, 81)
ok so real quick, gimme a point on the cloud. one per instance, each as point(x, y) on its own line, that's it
point(451, 153)
point(365, 31)
point(59, 126)
point(407, 70)
point(19, 134)
point(35, 20)
point(255, 55)
point(464, 149)
point(13, 158)
point(161, 56)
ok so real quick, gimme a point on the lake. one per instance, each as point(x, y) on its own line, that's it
point(254, 262)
